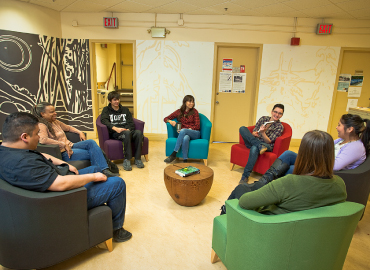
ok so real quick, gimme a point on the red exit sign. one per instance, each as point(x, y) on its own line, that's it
point(324, 29)
point(110, 22)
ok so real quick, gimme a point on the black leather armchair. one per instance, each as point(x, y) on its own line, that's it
point(40, 229)
point(357, 182)
point(53, 150)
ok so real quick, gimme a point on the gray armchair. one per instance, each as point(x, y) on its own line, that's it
point(53, 150)
point(40, 229)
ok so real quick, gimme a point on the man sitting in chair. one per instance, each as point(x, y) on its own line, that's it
point(262, 139)
point(22, 166)
point(121, 127)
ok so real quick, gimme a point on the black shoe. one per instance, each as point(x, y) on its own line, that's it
point(169, 159)
point(185, 161)
point(127, 165)
point(108, 173)
point(223, 210)
point(121, 235)
point(243, 180)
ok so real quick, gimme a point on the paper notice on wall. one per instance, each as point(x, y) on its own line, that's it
point(226, 83)
point(343, 82)
point(227, 65)
point(239, 80)
point(352, 103)
point(354, 91)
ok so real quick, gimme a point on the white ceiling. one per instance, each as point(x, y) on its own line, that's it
point(339, 9)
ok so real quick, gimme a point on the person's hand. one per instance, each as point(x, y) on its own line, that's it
point(262, 128)
point(99, 177)
point(172, 123)
point(255, 134)
point(118, 130)
point(69, 150)
point(73, 169)
point(82, 136)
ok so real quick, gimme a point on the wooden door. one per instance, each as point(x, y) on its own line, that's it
point(233, 110)
point(352, 60)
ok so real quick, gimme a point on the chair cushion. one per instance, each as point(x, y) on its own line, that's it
point(198, 149)
point(240, 154)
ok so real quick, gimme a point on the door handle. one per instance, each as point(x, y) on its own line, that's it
point(217, 102)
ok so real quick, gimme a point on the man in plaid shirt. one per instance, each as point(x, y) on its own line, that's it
point(262, 138)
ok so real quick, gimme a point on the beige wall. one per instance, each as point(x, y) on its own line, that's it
point(27, 18)
point(102, 72)
point(220, 28)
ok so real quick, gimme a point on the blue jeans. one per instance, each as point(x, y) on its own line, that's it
point(87, 150)
point(112, 192)
point(289, 157)
point(254, 146)
point(184, 138)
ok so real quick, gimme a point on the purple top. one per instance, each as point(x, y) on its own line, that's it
point(350, 156)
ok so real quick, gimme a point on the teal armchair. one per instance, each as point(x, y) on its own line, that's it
point(198, 149)
point(312, 239)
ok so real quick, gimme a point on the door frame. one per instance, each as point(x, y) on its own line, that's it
point(214, 83)
point(340, 64)
point(93, 75)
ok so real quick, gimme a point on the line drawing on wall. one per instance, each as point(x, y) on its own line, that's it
point(35, 68)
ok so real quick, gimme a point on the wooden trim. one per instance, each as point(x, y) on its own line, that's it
point(109, 244)
point(214, 256)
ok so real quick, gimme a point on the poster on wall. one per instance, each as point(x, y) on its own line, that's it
point(227, 65)
point(354, 91)
point(352, 103)
point(225, 83)
point(357, 80)
point(36, 68)
point(239, 80)
point(343, 82)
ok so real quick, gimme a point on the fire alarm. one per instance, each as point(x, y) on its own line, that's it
point(295, 41)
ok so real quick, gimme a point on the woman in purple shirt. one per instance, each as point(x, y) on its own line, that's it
point(351, 149)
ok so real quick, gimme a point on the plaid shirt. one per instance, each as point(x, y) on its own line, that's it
point(191, 121)
point(273, 132)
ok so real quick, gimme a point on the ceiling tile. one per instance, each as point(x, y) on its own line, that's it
point(204, 3)
point(58, 6)
point(202, 11)
point(354, 5)
point(304, 4)
point(85, 6)
point(130, 6)
point(360, 13)
point(250, 4)
point(231, 8)
point(323, 11)
point(156, 3)
point(273, 9)
point(292, 14)
point(179, 7)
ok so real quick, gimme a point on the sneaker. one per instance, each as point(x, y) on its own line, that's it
point(127, 165)
point(139, 163)
point(108, 173)
point(244, 180)
point(169, 159)
point(121, 235)
point(263, 149)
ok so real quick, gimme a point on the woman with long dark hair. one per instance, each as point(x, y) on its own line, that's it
point(311, 185)
point(351, 149)
point(52, 132)
point(188, 116)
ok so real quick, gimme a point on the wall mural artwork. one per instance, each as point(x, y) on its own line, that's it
point(35, 68)
point(302, 78)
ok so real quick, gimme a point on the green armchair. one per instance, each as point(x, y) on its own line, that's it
point(312, 239)
point(198, 149)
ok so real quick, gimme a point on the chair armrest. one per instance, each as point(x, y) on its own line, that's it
point(73, 137)
point(171, 131)
point(281, 144)
point(139, 125)
point(205, 130)
point(51, 149)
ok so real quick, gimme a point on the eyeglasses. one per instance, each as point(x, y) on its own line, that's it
point(278, 113)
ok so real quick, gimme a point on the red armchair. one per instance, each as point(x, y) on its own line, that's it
point(113, 148)
point(240, 153)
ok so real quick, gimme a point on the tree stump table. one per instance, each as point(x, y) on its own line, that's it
point(189, 190)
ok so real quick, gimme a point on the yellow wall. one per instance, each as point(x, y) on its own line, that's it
point(23, 17)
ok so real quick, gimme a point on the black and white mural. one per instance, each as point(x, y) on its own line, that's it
point(35, 68)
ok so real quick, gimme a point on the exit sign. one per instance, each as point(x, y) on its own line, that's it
point(110, 22)
point(324, 29)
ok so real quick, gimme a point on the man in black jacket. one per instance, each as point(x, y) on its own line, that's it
point(121, 127)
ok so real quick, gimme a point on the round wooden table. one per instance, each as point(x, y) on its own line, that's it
point(189, 190)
